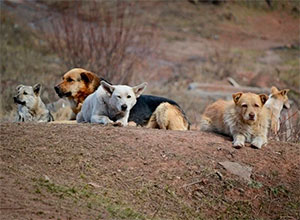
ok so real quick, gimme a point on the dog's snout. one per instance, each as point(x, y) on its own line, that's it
point(251, 115)
point(124, 107)
point(56, 88)
point(15, 99)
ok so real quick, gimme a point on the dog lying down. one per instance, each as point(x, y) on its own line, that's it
point(276, 102)
point(110, 104)
point(77, 84)
point(245, 118)
point(30, 105)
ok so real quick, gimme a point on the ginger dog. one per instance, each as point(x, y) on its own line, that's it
point(168, 117)
point(76, 85)
point(276, 102)
point(245, 118)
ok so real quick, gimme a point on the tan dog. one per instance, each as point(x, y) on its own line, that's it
point(30, 105)
point(276, 102)
point(245, 119)
point(168, 117)
point(76, 85)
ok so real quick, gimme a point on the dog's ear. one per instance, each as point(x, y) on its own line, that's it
point(236, 97)
point(18, 87)
point(284, 92)
point(107, 87)
point(87, 77)
point(37, 89)
point(274, 90)
point(138, 90)
point(263, 98)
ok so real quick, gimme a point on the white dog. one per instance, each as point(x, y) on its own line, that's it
point(110, 104)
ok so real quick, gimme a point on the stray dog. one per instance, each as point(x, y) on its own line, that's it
point(245, 119)
point(168, 117)
point(276, 102)
point(78, 83)
point(110, 104)
point(30, 104)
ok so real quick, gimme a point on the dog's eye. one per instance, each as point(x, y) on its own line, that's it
point(129, 96)
point(119, 97)
point(256, 105)
point(25, 93)
point(69, 80)
point(244, 105)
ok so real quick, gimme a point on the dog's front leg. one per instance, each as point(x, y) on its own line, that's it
point(238, 141)
point(258, 142)
point(124, 120)
point(101, 119)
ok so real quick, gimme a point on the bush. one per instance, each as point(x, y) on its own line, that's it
point(102, 36)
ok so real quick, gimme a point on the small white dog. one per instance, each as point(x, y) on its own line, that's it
point(30, 104)
point(110, 104)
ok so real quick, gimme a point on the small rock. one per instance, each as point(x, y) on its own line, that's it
point(235, 168)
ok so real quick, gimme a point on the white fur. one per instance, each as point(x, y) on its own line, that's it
point(104, 106)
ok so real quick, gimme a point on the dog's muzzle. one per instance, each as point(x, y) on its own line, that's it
point(16, 100)
point(123, 107)
point(60, 93)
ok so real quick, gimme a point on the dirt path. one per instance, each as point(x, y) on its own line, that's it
point(61, 171)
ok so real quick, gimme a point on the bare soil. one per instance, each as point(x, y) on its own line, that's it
point(59, 171)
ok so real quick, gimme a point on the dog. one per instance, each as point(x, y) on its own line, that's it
point(245, 118)
point(76, 85)
point(110, 104)
point(30, 105)
point(76, 92)
point(276, 102)
point(168, 117)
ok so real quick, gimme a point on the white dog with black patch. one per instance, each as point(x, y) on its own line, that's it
point(110, 104)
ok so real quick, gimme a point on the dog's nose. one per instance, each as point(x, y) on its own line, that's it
point(124, 107)
point(251, 115)
point(56, 89)
point(15, 99)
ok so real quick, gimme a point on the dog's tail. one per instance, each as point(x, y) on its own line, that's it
point(168, 117)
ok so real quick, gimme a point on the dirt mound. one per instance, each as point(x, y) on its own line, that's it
point(57, 171)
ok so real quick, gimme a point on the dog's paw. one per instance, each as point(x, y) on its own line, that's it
point(257, 143)
point(117, 124)
point(238, 144)
point(132, 124)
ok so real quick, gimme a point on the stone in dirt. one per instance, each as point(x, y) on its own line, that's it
point(237, 169)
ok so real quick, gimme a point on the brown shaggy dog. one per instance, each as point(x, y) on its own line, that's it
point(245, 118)
point(76, 85)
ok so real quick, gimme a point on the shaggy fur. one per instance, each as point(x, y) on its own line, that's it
point(30, 104)
point(276, 102)
point(168, 117)
point(245, 119)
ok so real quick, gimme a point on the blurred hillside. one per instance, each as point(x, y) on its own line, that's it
point(170, 45)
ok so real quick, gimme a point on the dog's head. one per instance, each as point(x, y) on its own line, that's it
point(27, 95)
point(249, 105)
point(77, 82)
point(122, 98)
point(281, 96)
